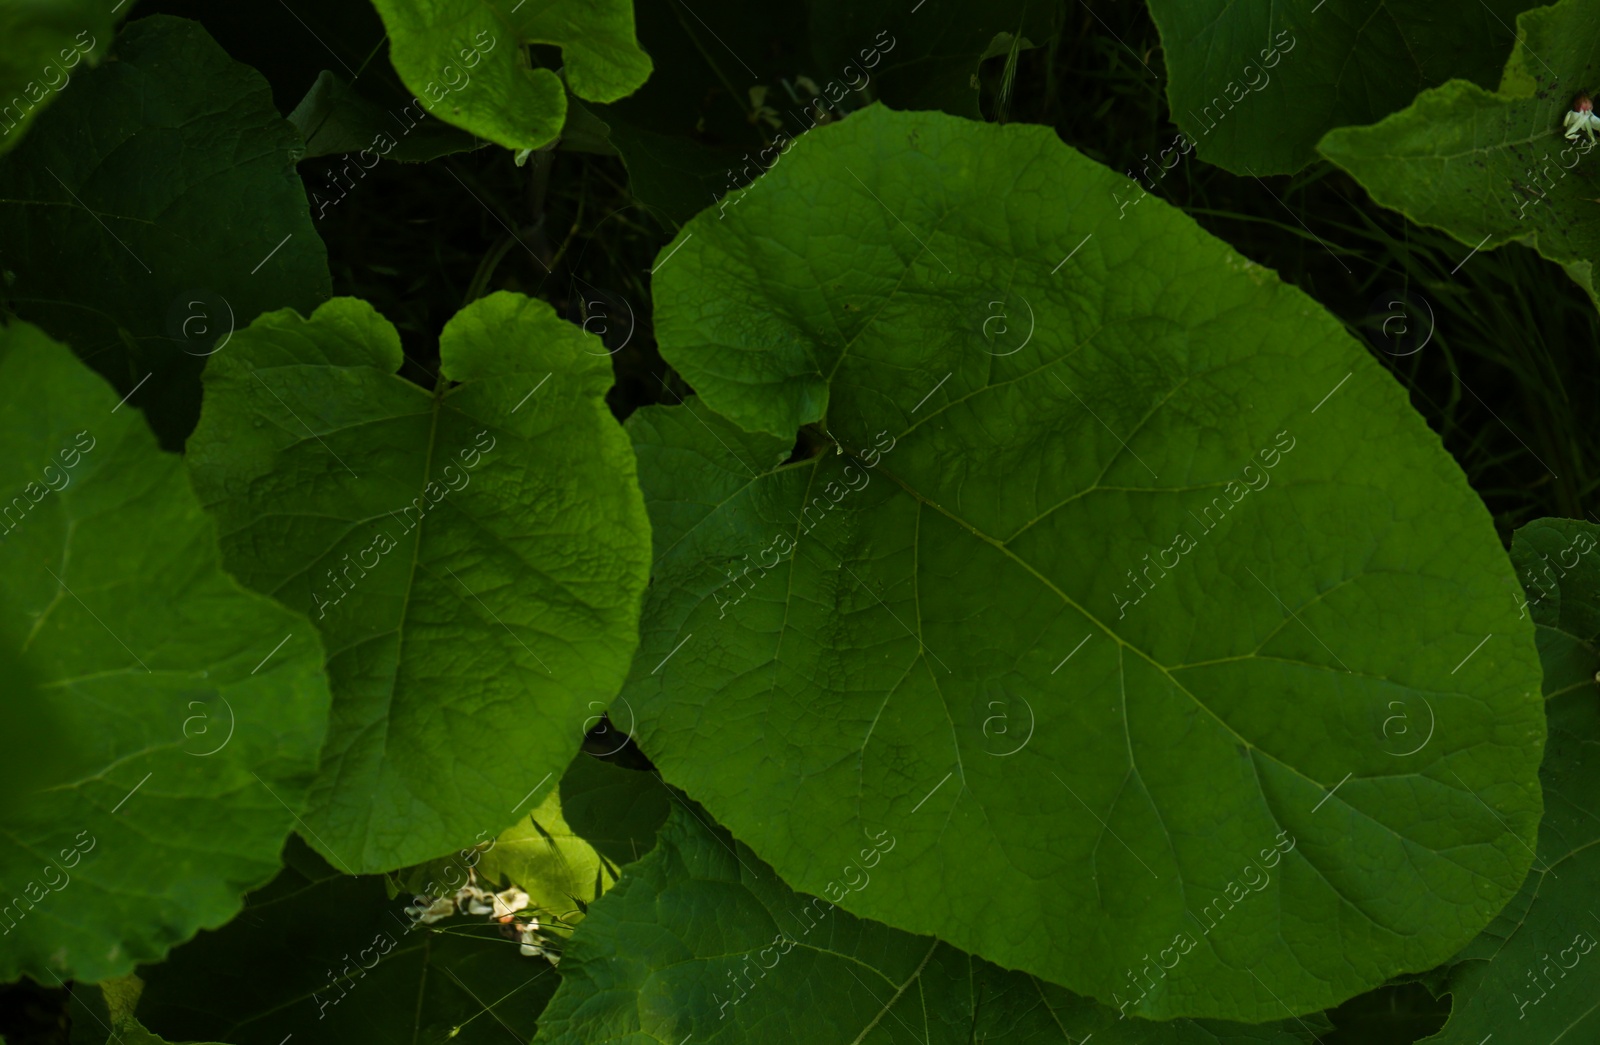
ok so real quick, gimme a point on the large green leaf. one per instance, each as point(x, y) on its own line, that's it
point(1493, 167)
point(1256, 83)
point(196, 708)
point(473, 557)
point(934, 627)
point(1530, 975)
point(466, 61)
point(329, 958)
point(678, 951)
point(43, 45)
point(154, 209)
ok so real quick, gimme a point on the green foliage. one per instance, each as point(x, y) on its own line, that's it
point(1492, 167)
point(44, 744)
point(566, 872)
point(473, 557)
point(1563, 588)
point(329, 957)
point(703, 940)
point(1529, 977)
point(121, 231)
point(195, 708)
point(567, 851)
point(618, 813)
point(694, 123)
point(1024, 577)
point(329, 70)
point(1028, 472)
point(1255, 101)
point(466, 63)
point(43, 45)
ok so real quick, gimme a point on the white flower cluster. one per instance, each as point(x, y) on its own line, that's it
point(501, 907)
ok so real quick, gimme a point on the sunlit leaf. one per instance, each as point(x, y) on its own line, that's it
point(473, 556)
point(466, 61)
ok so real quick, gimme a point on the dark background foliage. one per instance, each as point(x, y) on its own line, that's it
point(1494, 348)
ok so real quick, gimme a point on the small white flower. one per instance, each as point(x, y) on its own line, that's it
point(1582, 119)
point(509, 901)
point(430, 909)
point(532, 944)
point(474, 900)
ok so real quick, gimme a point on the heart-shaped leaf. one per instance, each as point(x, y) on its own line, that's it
point(473, 557)
point(1104, 567)
point(467, 62)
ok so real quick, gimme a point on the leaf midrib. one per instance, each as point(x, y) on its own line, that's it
point(405, 609)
